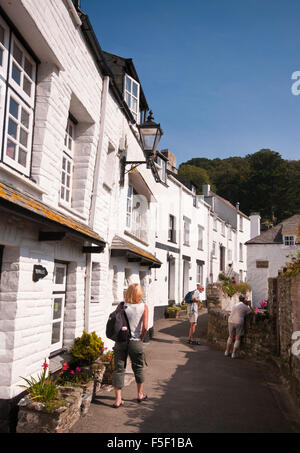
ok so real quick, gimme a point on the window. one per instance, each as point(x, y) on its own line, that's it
point(67, 164)
point(172, 228)
point(131, 95)
point(162, 171)
point(109, 174)
point(241, 223)
point(215, 224)
point(17, 143)
point(241, 276)
point(129, 206)
point(229, 234)
point(200, 237)
point(229, 255)
point(289, 240)
point(199, 276)
point(223, 228)
point(214, 248)
point(17, 89)
point(186, 231)
point(241, 251)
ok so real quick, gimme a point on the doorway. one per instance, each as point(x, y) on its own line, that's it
point(58, 305)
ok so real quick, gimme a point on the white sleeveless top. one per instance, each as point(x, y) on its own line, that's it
point(134, 314)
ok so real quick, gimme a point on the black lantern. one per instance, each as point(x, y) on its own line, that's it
point(150, 134)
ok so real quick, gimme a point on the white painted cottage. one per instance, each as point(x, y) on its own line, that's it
point(71, 235)
point(268, 251)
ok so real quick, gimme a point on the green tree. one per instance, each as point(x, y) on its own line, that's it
point(196, 175)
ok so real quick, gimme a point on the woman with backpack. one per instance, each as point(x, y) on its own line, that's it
point(137, 315)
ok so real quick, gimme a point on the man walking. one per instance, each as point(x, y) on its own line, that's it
point(236, 325)
point(193, 311)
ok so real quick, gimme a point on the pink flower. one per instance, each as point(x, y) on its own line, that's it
point(66, 366)
point(109, 358)
point(256, 310)
point(78, 369)
point(45, 365)
point(72, 372)
point(61, 372)
point(105, 349)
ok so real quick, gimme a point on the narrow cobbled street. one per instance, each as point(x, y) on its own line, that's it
point(195, 389)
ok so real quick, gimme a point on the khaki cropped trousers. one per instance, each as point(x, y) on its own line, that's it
point(133, 349)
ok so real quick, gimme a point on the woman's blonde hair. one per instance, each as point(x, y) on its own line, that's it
point(133, 294)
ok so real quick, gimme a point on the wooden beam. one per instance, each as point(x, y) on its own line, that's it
point(91, 249)
point(51, 235)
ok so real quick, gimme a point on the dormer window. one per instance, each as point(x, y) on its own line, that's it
point(132, 95)
point(289, 240)
point(162, 171)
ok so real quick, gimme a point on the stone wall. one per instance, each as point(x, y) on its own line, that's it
point(273, 335)
point(258, 341)
point(284, 303)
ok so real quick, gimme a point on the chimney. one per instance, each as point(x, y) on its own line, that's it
point(254, 224)
point(206, 190)
point(237, 206)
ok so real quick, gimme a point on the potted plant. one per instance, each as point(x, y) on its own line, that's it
point(86, 354)
point(172, 312)
point(46, 408)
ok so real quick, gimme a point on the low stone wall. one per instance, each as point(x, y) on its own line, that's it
point(258, 341)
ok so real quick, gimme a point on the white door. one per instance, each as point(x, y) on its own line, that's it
point(58, 305)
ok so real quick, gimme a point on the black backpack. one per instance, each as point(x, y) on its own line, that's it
point(116, 321)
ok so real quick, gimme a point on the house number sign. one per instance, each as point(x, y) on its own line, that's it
point(39, 272)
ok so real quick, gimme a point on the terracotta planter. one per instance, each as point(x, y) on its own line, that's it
point(33, 417)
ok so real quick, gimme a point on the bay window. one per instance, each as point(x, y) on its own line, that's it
point(17, 97)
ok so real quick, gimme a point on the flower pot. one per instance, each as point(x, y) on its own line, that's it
point(33, 417)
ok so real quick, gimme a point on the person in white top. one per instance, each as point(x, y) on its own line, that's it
point(137, 315)
point(192, 312)
point(236, 325)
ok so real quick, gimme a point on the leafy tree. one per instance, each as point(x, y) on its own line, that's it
point(196, 175)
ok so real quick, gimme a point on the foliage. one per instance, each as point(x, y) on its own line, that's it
point(172, 310)
point(171, 303)
point(261, 181)
point(74, 377)
point(107, 356)
point(231, 288)
point(87, 348)
point(42, 389)
point(293, 267)
point(183, 305)
point(197, 176)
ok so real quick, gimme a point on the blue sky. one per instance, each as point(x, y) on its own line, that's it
point(216, 73)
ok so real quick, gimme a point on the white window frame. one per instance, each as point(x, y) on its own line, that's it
point(172, 228)
point(4, 47)
point(229, 234)
point(162, 168)
point(199, 274)
point(214, 248)
point(136, 114)
point(215, 224)
point(59, 291)
point(229, 255)
point(19, 88)
point(223, 229)
point(200, 237)
point(289, 240)
point(241, 252)
point(186, 232)
point(66, 182)
point(7, 159)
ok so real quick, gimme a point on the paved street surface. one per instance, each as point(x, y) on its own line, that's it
point(195, 389)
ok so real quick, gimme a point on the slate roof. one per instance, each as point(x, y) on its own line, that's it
point(288, 227)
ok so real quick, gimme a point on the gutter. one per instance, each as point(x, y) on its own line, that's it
point(73, 12)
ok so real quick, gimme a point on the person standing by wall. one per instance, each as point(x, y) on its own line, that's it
point(137, 315)
point(236, 322)
point(193, 312)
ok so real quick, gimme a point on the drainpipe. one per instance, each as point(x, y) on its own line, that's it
point(88, 274)
point(180, 280)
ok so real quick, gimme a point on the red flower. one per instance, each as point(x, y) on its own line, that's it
point(78, 369)
point(45, 365)
point(72, 372)
point(66, 366)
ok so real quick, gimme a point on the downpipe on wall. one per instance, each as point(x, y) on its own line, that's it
point(88, 274)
